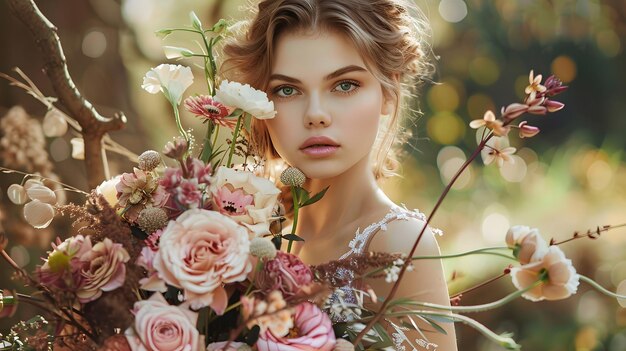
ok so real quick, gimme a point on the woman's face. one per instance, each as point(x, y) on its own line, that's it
point(328, 104)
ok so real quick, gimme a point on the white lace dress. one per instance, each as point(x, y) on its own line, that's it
point(344, 304)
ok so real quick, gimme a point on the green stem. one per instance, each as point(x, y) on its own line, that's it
point(296, 208)
point(600, 288)
point(234, 141)
point(477, 308)
point(216, 133)
point(181, 130)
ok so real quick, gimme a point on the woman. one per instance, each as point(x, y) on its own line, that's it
point(336, 71)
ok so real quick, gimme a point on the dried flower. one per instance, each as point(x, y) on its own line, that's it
point(42, 193)
point(527, 244)
point(102, 269)
point(199, 252)
point(246, 198)
point(262, 248)
point(285, 273)
point(489, 120)
point(172, 80)
point(313, 331)
point(17, 194)
point(54, 123)
point(527, 131)
point(38, 214)
point(558, 277)
point(252, 101)
point(23, 145)
point(149, 160)
point(205, 106)
point(151, 219)
point(176, 149)
point(137, 190)
point(270, 315)
point(159, 326)
point(292, 176)
point(497, 149)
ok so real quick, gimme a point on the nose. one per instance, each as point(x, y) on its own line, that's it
point(316, 115)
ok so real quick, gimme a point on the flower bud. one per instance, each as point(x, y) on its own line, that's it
point(152, 219)
point(262, 248)
point(149, 160)
point(553, 106)
point(527, 131)
point(292, 177)
point(42, 193)
point(513, 111)
point(38, 214)
point(54, 124)
point(176, 149)
point(17, 194)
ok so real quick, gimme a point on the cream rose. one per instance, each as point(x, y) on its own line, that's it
point(200, 251)
point(245, 97)
point(108, 190)
point(160, 326)
point(244, 197)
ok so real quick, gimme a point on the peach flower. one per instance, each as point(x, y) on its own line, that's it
point(246, 198)
point(527, 244)
point(313, 331)
point(273, 316)
point(559, 278)
point(160, 326)
point(199, 252)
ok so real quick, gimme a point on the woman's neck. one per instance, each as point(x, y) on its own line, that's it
point(350, 196)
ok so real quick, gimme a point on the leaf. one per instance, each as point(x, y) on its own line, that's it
point(277, 241)
point(195, 21)
point(315, 198)
point(435, 325)
point(247, 122)
point(292, 237)
point(236, 113)
point(301, 195)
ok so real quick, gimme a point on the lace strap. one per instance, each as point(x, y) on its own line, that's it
point(358, 244)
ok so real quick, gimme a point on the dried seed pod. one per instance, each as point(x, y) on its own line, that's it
point(149, 160)
point(42, 193)
point(17, 194)
point(292, 177)
point(38, 214)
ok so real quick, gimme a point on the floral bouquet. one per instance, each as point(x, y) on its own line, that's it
point(186, 254)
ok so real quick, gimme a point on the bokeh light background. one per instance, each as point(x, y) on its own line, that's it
point(571, 177)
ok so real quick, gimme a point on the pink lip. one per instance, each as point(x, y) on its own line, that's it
point(319, 146)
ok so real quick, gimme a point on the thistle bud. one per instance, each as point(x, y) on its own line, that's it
point(262, 248)
point(149, 160)
point(292, 177)
point(152, 219)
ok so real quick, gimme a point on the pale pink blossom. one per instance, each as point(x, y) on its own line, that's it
point(229, 184)
point(102, 269)
point(527, 243)
point(497, 150)
point(61, 269)
point(313, 328)
point(489, 120)
point(151, 282)
point(558, 277)
point(285, 273)
point(159, 326)
point(199, 252)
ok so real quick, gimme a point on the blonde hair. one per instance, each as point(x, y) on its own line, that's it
point(389, 34)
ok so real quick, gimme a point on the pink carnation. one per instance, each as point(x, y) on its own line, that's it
point(314, 332)
point(102, 269)
point(286, 273)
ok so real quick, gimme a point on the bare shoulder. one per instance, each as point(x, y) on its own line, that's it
point(399, 236)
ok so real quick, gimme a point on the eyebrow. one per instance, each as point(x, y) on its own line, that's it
point(335, 74)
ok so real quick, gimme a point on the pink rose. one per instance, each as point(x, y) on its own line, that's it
point(286, 272)
point(102, 269)
point(152, 282)
point(558, 277)
point(199, 252)
point(314, 332)
point(160, 326)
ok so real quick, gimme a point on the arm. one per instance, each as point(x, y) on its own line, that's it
point(425, 283)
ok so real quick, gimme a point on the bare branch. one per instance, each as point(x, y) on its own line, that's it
point(94, 126)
